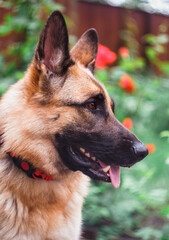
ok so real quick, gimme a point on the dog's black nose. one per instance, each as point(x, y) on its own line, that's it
point(140, 150)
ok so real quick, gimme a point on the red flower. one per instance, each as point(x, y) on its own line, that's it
point(127, 83)
point(104, 57)
point(124, 52)
point(128, 123)
point(151, 147)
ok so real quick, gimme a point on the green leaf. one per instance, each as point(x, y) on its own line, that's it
point(5, 30)
point(102, 75)
point(164, 67)
point(151, 53)
point(164, 134)
point(128, 65)
point(150, 38)
point(165, 211)
point(148, 233)
point(140, 63)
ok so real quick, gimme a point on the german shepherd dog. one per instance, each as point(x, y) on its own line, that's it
point(58, 127)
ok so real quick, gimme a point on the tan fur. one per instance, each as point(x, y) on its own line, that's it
point(31, 112)
point(33, 209)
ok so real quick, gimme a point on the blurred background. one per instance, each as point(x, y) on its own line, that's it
point(133, 63)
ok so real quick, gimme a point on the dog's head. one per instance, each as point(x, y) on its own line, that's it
point(74, 111)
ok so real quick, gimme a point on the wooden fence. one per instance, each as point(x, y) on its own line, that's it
point(109, 22)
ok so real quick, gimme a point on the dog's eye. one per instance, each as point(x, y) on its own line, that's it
point(91, 106)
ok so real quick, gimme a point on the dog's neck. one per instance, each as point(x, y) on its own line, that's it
point(26, 167)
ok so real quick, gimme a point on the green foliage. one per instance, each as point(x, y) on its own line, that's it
point(144, 187)
point(156, 47)
point(132, 64)
point(165, 134)
point(143, 194)
point(26, 19)
point(148, 233)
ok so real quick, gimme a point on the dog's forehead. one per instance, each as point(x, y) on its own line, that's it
point(81, 85)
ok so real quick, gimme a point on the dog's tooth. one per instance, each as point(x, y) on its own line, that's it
point(87, 155)
point(93, 158)
point(82, 150)
point(106, 169)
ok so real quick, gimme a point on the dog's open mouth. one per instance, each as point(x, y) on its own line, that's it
point(100, 160)
point(94, 167)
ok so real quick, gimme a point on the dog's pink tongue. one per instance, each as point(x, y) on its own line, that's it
point(114, 173)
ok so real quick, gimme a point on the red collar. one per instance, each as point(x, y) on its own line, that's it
point(26, 167)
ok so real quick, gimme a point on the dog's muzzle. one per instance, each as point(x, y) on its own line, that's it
point(100, 156)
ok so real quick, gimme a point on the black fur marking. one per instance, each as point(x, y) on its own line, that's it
point(110, 147)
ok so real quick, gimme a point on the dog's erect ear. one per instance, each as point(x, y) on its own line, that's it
point(85, 50)
point(52, 49)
